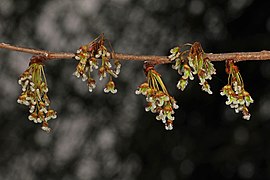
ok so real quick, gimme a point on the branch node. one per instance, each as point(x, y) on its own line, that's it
point(38, 59)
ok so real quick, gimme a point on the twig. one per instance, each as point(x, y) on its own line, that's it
point(236, 56)
point(48, 54)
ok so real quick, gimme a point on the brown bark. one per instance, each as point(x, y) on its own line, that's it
point(236, 56)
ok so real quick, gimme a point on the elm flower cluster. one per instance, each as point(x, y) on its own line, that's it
point(237, 97)
point(34, 94)
point(191, 62)
point(158, 99)
point(88, 56)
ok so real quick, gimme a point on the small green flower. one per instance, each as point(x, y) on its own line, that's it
point(206, 87)
point(175, 53)
point(182, 84)
point(91, 83)
point(143, 88)
point(110, 87)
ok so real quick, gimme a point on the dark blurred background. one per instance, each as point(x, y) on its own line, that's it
point(101, 136)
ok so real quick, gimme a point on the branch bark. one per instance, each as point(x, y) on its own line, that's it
point(236, 56)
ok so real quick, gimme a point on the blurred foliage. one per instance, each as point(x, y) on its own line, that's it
point(101, 136)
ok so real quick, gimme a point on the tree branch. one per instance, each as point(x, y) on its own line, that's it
point(48, 54)
point(236, 56)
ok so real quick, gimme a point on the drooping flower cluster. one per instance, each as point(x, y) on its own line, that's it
point(191, 62)
point(158, 99)
point(237, 97)
point(34, 93)
point(88, 56)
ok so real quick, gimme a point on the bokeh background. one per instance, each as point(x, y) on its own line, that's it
point(101, 136)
